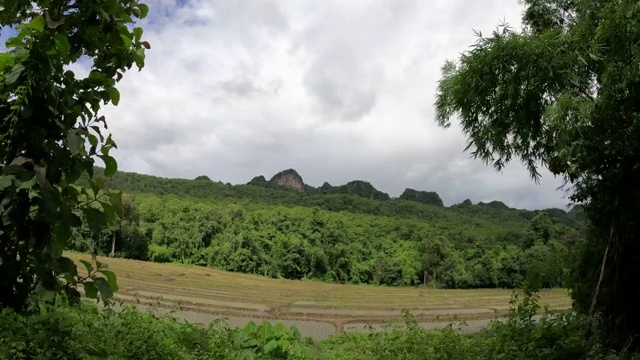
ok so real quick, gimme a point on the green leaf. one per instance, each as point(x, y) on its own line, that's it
point(90, 290)
point(43, 293)
point(75, 141)
point(96, 219)
point(271, 345)
point(6, 181)
point(67, 265)
point(29, 183)
point(137, 33)
point(114, 95)
point(250, 328)
point(36, 24)
point(104, 288)
point(144, 10)
point(14, 74)
point(125, 35)
point(108, 212)
point(5, 60)
point(62, 234)
point(111, 279)
point(138, 57)
point(111, 166)
point(93, 140)
point(87, 265)
point(96, 75)
point(62, 42)
point(116, 203)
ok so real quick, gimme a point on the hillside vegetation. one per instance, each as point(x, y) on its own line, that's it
point(337, 237)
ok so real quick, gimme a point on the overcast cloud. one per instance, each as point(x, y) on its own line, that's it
point(338, 90)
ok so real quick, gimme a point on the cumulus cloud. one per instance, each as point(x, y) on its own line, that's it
point(337, 90)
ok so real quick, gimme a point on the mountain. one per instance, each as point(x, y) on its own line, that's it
point(423, 197)
point(359, 197)
point(351, 233)
point(288, 179)
point(357, 187)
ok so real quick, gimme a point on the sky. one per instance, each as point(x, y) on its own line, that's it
point(338, 90)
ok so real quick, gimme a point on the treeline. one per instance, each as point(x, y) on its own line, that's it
point(349, 197)
point(453, 248)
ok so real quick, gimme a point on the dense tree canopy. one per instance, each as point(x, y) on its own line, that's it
point(347, 239)
point(563, 92)
point(47, 115)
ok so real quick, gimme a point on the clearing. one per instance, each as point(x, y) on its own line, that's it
point(200, 294)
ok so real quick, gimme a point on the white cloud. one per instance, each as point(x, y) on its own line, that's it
point(337, 90)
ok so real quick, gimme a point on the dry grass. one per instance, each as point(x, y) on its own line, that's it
point(213, 292)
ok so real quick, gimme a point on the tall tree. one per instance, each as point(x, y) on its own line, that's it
point(563, 92)
point(47, 115)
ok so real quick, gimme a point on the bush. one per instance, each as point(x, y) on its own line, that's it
point(84, 332)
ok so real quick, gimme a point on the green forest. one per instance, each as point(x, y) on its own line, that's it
point(333, 237)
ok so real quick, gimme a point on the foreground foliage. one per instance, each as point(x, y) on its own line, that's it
point(47, 116)
point(85, 332)
point(563, 93)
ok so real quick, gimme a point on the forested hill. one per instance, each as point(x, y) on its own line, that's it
point(348, 234)
point(355, 197)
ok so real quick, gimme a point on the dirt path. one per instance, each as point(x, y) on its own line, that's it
point(317, 330)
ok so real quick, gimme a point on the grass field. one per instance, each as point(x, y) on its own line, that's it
point(201, 294)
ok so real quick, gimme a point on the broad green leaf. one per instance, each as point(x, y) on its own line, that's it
point(75, 141)
point(271, 345)
point(62, 234)
point(114, 95)
point(14, 74)
point(108, 212)
point(67, 265)
point(116, 202)
point(62, 42)
point(99, 76)
point(97, 220)
point(14, 42)
point(125, 35)
point(250, 328)
point(111, 279)
point(90, 290)
point(93, 140)
point(111, 166)
point(5, 60)
point(87, 265)
point(36, 24)
point(138, 57)
point(45, 294)
point(103, 286)
point(144, 10)
point(29, 183)
point(6, 181)
point(137, 33)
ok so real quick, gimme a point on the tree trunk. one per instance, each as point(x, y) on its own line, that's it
point(113, 244)
point(599, 284)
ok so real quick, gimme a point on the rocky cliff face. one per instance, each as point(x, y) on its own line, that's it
point(424, 197)
point(288, 179)
point(356, 187)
